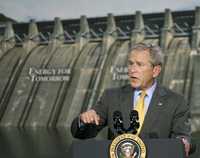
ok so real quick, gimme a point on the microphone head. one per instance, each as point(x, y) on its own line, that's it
point(134, 121)
point(117, 115)
point(134, 115)
point(118, 122)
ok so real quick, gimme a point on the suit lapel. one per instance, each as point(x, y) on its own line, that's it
point(153, 112)
point(126, 104)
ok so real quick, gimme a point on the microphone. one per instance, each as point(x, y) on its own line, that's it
point(134, 115)
point(134, 124)
point(118, 122)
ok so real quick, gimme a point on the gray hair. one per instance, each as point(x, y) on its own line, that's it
point(157, 57)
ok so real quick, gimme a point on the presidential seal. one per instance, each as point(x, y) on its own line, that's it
point(127, 146)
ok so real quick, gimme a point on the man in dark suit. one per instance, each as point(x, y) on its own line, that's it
point(166, 113)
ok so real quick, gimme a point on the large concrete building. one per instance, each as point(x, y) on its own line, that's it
point(51, 71)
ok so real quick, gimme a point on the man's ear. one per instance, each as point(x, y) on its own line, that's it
point(156, 71)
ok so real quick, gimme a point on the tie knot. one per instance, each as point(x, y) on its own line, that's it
point(142, 94)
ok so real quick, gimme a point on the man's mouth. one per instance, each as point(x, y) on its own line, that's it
point(132, 77)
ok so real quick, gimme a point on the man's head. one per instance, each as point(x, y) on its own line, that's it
point(144, 65)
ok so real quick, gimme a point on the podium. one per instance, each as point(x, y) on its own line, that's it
point(156, 148)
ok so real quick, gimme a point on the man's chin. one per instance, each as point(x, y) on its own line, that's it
point(134, 85)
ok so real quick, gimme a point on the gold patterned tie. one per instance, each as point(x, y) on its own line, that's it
point(140, 109)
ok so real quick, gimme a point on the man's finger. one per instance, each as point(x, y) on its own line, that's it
point(90, 117)
point(86, 119)
point(97, 119)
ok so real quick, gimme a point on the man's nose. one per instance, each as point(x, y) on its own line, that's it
point(133, 68)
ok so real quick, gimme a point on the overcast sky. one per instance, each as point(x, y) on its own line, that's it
point(24, 10)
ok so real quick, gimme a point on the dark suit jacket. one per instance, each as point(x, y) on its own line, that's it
point(167, 116)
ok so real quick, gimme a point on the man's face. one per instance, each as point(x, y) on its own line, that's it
point(140, 70)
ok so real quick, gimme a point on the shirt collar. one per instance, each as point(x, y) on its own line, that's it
point(149, 91)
